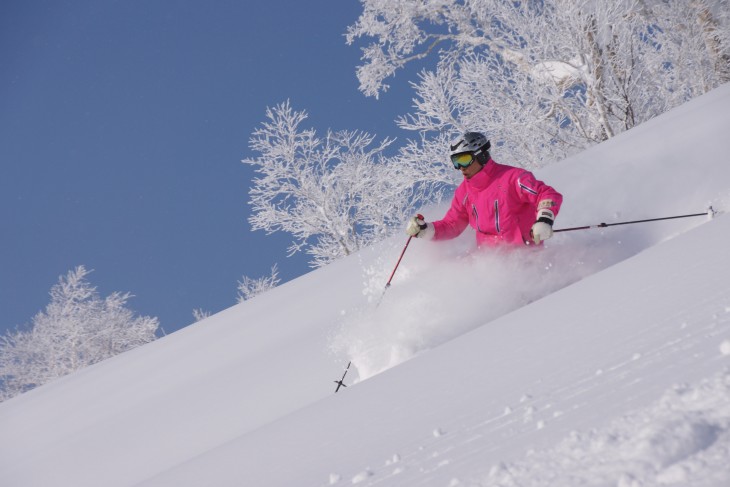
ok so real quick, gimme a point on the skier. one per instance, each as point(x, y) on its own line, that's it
point(504, 204)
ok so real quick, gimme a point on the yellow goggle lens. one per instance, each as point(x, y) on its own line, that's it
point(463, 159)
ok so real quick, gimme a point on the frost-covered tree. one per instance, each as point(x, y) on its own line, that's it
point(695, 45)
point(547, 78)
point(249, 287)
point(200, 314)
point(333, 194)
point(78, 328)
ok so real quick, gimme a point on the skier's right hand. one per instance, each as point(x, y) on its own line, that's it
point(418, 228)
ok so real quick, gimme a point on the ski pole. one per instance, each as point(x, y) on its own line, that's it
point(387, 285)
point(339, 382)
point(710, 212)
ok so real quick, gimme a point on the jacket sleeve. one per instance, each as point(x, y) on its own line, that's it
point(455, 220)
point(537, 193)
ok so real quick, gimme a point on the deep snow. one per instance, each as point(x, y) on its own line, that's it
point(601, 359)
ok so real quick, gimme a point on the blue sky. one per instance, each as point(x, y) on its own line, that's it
point(122, 127)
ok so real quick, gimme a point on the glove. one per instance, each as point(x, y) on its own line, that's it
point(542, 229)
point(418, 228)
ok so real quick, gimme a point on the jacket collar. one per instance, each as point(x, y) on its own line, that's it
point(482, 179)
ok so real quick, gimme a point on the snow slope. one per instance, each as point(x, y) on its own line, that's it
point(480, 403)
point(599, 360)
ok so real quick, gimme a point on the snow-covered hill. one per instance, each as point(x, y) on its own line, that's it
point(601, 359)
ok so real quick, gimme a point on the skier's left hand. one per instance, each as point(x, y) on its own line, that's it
point(542, 229)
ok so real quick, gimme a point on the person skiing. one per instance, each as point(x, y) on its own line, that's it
point(504, 204)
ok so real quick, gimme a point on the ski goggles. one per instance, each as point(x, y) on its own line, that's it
point(462, 160)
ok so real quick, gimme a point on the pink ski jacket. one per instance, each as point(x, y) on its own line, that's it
point(500, 202)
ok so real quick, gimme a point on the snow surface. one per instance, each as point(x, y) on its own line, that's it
point(602, 359)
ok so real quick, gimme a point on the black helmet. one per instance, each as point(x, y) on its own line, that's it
point(470, 142)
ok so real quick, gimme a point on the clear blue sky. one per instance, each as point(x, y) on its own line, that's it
point(122, 127)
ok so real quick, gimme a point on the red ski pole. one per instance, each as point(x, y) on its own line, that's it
point(387, 285)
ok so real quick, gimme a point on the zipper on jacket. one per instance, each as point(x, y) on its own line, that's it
point(476, 217)
point(496, 215)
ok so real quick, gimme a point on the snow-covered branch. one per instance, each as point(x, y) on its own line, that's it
point(249, 287)
point(333, 194)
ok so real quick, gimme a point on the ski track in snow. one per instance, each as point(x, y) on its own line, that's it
point(685, 433)
point(682, 439)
